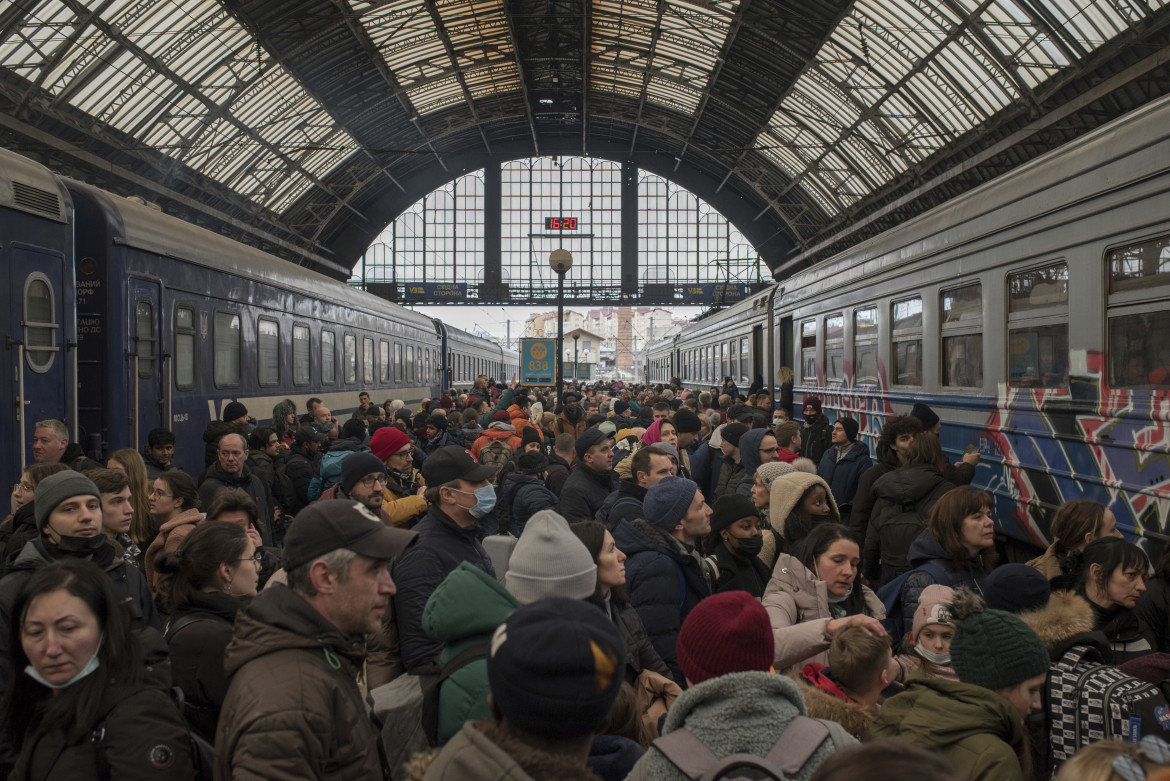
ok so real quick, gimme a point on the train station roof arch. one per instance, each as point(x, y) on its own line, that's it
point(305, 126)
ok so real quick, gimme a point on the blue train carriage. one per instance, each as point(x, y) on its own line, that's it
point(40, 329)
point(737, 342)
point(1032, 315)
point(183, 321)
point(467, 356)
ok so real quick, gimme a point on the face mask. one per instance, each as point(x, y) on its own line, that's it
point(81, 546)
point(485, 500)
point(931, 656)
point(90, 666)
point(748, 546)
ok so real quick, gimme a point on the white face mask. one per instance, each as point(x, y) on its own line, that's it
point(90, 666)
point(931, 656)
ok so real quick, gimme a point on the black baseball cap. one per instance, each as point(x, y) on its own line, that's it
point(454, 463)
point(307, 433)
point(324, 527)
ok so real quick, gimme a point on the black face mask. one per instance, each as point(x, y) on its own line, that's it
point(81, 546)
point(748, 546)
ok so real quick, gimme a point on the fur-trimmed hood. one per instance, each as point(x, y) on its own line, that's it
point(483, 751)
point(785, 495)
point(1066, 616)
point(823, 705)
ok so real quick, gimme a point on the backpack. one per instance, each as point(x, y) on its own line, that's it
point(1089, 701)
point(891, 596)
point(202, 751)
point(199, 717)
point(898, 525)
point(787, 757)
point(495, 453)
point(330, 474)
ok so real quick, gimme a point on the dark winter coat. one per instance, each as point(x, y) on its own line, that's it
point(196, 653)
point(294, 709)
point(738, 573)
point(927, 548)
point(844, 474)
point(665, 579)
point(816, 438)
point(23, 530)
point(525, 495)
point(914, 487)
point(441, 546)
point(558, 473)
point(263, 466)
point(1153, 609)
point(612, 757)
point(706, 464)
point(76, 459)
point(585, 491)
point(749, 460)
point(140, 722)
point(640, 653)
point(1129, 637)
point(864, 498)
point(215, 478)
point(624, 504)
point(299, 469)
point(729, 475)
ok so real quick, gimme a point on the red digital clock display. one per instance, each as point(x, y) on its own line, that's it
point(560, 223)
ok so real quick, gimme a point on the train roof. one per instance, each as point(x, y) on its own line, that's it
point(28, 186)
point(145, 228)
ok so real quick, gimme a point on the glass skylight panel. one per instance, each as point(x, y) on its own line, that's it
point(436, 95)
point(496, 79)
point(405, 35)
point(672, 94)
point(50, 25)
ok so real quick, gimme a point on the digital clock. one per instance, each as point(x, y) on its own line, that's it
point(560, 223)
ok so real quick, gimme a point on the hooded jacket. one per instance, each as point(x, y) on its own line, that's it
point(927, 548)
point(844, 474)
point(825, 699)
point(915, 486)
point(170, 536)
point(864, 498)
point(977, 730)
point(294, 709)
point(665, 581)
point(624, 504)
point(585, 491)
point(737, 713)
point(797, 602)
point(783, 498)
point(749, 459)
point(558, 473)
point(484, 751)
point(464, 611)
point(24, 528)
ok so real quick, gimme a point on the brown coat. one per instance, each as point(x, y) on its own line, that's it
point(483, 751)
point(170, 535)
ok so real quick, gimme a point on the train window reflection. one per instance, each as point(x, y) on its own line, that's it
point(865, 347)
point(184, 348)
point(1038, 288)
point(349, 358)
point(1140, 265)
point(383, 361)
point(808, 349)
point(300, 355)
point(963, 361)
point(227, 350)
point(144, 339)
point(835, 347)
point(267, 352)
point(1139, 356)
point(962, 304)
point(907, 341)
point(1038, 356)
point(40, 327)
point(367, 360)
point(328, 357)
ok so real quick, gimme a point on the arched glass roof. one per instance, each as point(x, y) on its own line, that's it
point(323, 115)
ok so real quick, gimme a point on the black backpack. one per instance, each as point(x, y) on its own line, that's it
point(284, 491)
point(787, 757)
point(202, 751)
point(898, 525)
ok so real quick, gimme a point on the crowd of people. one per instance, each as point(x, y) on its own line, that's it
point(623, 582)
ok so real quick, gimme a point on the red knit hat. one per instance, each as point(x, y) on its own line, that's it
point(725, 633)
point(387, 441)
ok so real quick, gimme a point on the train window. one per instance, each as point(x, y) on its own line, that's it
point(907, 341)
point(1138, 354)
point(865, 347)
point(1038, 327)
point(40, 327)
point(328, 357)
point(410, 363)
point(184, 348)
point(808, 349)
point(227, 350)
point(397, 362)
point(1139, 266)
point(383, 361)
point(144, 338)
point(745, 362)
point(267, 352)
point(735, 359)
point(301, 355)
point(349, 358)
point(367, 360)
point(835, 347)
point(962, 337)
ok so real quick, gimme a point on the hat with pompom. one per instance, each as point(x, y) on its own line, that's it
point(992, 648)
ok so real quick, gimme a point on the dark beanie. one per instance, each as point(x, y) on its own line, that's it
point(355, 466)
point(354, 428)
point(725, 633)
point(234, 411)
point(402, 413)
point(730, 508)
point(555, 667)
point(530, 434)
point(925, 414)
point(667, 501)
point(686, 422)
point(992, 648)
point(732, 432)
point(55, 489)
point(532, 463)
point(620, 407)
point(1016, 588)
point(850, 426)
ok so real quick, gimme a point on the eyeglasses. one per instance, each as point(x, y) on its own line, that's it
point(406, 451)
point(256, 558)
point(20, 488)
point(767, 451)
point(369, 481)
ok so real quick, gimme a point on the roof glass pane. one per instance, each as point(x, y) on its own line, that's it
point(496, 79)
point(672, 94)
point(435, 95)
point(405, 35)
point(51, 23)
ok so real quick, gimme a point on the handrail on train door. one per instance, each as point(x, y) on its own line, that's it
point(72, 346)
point(167, 361)
point(134, 379)
point(20, 403)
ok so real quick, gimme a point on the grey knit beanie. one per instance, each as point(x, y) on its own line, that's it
point(549, 560)
point(773, 469)
point(55, 489)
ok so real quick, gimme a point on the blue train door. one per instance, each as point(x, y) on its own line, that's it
point(40, 375)
point(145, 364)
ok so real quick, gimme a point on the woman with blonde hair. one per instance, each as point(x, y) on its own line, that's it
point(1116, 760)
point(142, 528)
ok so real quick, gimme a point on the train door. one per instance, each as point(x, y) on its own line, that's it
point(145, 365)
point(759, 365)
point(785, 351)
point(40, 376)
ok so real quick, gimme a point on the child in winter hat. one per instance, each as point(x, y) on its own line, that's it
point(927, 650)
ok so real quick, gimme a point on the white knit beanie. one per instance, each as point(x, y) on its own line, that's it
point(549, 560)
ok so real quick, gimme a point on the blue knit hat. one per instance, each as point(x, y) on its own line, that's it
point(667, 502)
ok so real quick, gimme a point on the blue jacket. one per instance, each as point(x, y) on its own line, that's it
point(706, 462)
point(665, 582)
point(525, 495)
point(844, 475)
point(927, 548)
point(749, 457)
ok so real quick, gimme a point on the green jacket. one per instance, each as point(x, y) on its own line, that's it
point(465, 610)
point(504, 402)
point(979, 731)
